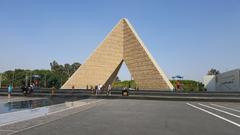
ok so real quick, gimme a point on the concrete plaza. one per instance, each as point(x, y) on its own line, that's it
point(139, 117)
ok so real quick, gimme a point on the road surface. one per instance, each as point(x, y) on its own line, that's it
point(146, 117)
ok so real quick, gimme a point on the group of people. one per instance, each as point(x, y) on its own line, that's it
point(27, 89)
point(100, 88)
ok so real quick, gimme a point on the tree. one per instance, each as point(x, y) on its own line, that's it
point(57, 76)
point(68, 69)
point(7, 78)
point(19, 76)
point(54, 80)
point(55, 67)
point(213, 72)
point(75, 66)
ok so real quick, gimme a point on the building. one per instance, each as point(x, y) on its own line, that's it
point(227, 81)
point(122, 44)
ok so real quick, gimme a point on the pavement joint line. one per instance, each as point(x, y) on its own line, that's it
point(40, 124)
point(14, 132)
point(66, 109)
point(220, 110)
point(211, 113)
point(226, 107)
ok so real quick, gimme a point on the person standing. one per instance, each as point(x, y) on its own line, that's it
point(96, 89)
point(109, 90)
point(99, 89)
point(53, 89)
point(73, 87)
point(10, 89)
point(178, 85)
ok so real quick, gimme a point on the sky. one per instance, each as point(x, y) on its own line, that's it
point(185, 37)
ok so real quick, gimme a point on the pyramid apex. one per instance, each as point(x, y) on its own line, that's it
point(124, 19)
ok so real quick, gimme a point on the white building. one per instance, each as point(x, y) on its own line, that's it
point(227, 81)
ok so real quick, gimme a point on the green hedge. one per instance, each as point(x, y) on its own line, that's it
point(188, 85)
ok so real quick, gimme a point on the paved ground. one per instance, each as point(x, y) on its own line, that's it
point(142, 117)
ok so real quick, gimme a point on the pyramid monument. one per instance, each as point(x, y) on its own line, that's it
point(122, 44)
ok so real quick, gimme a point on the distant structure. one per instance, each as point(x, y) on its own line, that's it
point(227, 81)
point(122, 44)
